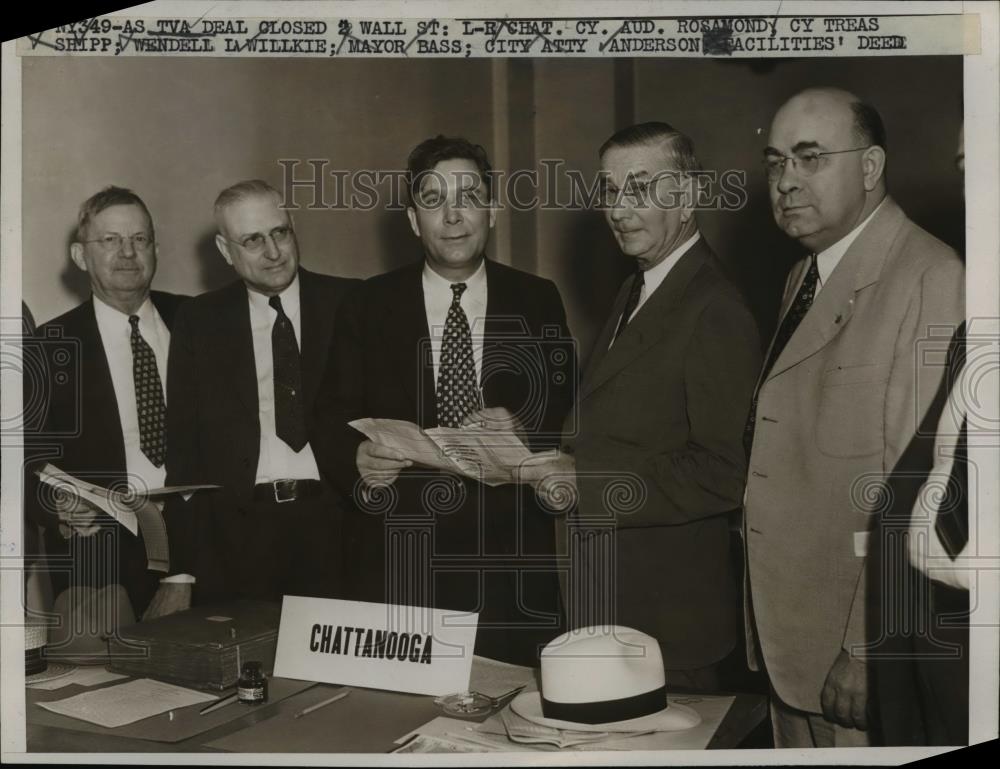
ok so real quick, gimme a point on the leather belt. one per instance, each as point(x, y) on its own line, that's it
point(287, 490)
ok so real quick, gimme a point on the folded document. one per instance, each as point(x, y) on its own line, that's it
point(133, 511)
point(488, 456)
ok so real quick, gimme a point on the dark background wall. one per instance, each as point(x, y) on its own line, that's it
point(179, 130)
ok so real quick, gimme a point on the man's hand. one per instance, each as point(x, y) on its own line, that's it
point(378, 464)
point(845, 693)
point(553, 476)
point(170, 598)
point(76, 515)
point(498, 419)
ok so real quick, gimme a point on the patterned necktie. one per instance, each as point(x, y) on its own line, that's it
point(150, 406)
point(800, 306)
point(631, 303)
point(289, 421)
point(457, 390)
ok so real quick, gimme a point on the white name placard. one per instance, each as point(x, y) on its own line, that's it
point(379, 646)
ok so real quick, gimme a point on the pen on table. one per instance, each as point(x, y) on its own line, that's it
point(219, 704)
point(322, 704)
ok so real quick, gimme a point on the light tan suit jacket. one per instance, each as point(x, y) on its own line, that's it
point(840, 405)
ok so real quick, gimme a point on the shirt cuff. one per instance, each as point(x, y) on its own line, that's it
point(178, 579)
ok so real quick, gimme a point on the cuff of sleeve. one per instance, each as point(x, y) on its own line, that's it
point(178, 579)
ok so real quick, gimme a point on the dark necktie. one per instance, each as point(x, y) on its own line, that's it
point(150, 406)
point(289, 422)
point(457, 389)
point(952, 523)
point(631, 303)
point(800, 306)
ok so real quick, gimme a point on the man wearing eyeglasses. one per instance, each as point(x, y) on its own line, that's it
point(849, 376)
point(109, 431)
point(244, 371)
point(661, 410)
point(451, 340)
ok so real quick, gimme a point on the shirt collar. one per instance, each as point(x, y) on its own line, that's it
point(654, 276)
point(442, 285)
point(289, 299)
point(829, 258)
point(113, 324)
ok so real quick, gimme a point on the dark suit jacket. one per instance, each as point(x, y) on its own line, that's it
point(71, 420)
point(492, 548)
point(213, 423)
point(660, 462)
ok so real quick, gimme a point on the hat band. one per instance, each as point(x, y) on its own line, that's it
point(607, 711)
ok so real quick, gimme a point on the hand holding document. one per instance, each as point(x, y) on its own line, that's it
point(133, 511)
point(489, 456)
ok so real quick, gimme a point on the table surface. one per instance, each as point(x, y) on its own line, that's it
point(399, 713)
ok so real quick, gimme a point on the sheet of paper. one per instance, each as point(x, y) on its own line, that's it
point(406, 438)
point(95, 495)
point(494, 678)
point(489, 456)
point(82, 676)
point(454, 735)
point(154, 535)
point(127, 703)
point(121, 507)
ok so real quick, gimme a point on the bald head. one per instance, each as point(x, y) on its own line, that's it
point(838, 175)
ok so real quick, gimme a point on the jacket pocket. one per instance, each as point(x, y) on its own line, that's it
point(850, 418)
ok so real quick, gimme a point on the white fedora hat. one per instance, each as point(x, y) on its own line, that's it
point(604, 679)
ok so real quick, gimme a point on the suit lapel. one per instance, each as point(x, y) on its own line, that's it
point(316, 331)
point(234, 346)
point(504, 319)
point(648, 324)
point(860, 266)
point(407, 340)
point(102, 404)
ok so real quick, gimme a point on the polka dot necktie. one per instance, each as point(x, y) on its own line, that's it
point(289, 422)
point(457, 389)
point(800, 306)
point(150, 406)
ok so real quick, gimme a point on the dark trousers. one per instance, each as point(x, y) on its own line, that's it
point(943, 668)
point(266, 550)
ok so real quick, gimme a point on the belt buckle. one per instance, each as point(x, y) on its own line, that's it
point(284, 490)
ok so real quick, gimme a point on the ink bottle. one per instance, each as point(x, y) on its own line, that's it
point(251, 689)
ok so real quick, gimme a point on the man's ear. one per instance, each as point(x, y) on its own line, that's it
point(76, 254)
point(411, 214)
point(689, 197)
point(873, 166)
point(223, 245)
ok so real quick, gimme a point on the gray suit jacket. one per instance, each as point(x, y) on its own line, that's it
point(834, 415)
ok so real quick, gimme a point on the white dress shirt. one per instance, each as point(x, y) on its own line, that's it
point(654, 276)
point(437, 299)
point(829, 258)
point(276, 459)
point(116, 336)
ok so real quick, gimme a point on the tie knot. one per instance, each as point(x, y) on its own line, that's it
point(457, 289)
point(134, 322)
point(275, 302)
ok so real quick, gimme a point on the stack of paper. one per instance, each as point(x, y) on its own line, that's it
point(524, 731)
